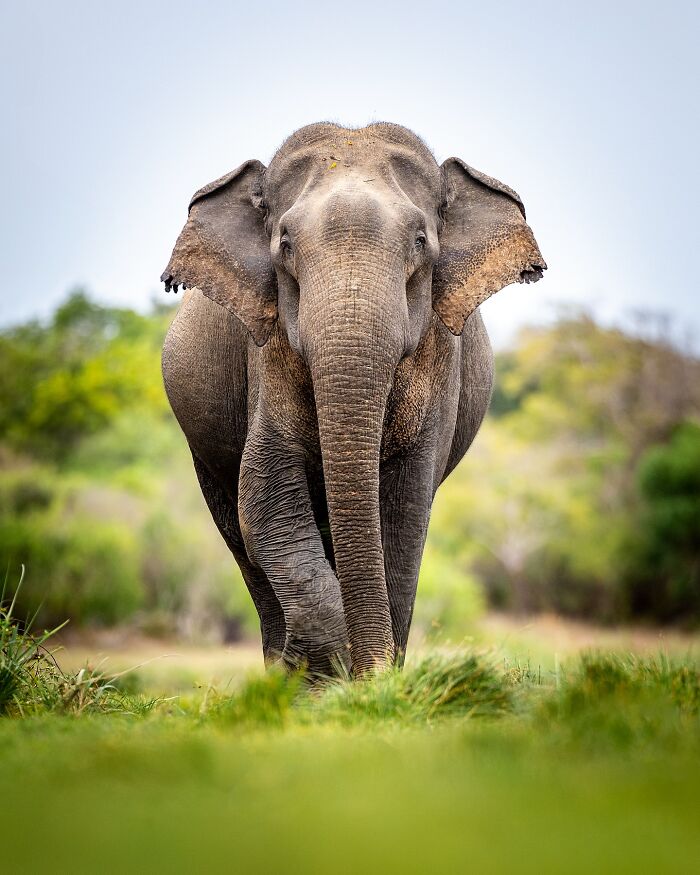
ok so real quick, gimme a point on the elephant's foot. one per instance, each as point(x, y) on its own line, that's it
point(317, 639)
point(316, 662)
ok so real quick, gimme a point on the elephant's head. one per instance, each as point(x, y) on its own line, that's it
point(351, 239)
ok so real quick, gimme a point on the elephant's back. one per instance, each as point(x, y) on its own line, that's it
point(204, 372)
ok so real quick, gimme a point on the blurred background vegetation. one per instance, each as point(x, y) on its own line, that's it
point(581, 495)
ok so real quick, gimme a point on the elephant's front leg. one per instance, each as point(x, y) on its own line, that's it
point(406, 499)
point(282, 538)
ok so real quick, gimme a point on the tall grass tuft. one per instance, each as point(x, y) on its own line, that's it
point(27, 668)
point(608, 700)
point(441, 685)
point(459, 684)
point(263, 700)
point(32, 681)
point(602, 678)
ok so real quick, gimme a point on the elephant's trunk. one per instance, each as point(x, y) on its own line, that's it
point(357, 343)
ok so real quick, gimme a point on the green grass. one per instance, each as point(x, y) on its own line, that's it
point(463, 762)
point(32, 682)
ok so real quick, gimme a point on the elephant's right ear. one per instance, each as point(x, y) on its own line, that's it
point(224, 250)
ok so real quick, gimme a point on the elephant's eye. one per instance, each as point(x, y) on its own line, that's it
point(421, 240)
point(285, 244)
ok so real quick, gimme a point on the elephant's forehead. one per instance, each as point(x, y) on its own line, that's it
point(365, 153)
point(324, 134)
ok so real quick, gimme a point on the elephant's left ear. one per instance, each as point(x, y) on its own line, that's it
point(485, 244)
point(224, 250)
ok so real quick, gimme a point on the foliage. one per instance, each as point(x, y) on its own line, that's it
point(74, 376)
point(102, 505)
point(104, 552)
point(664, 567)
point(92, 567)
point(451, 598)
point(552, 508)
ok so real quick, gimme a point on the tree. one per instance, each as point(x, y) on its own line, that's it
point(664, 564)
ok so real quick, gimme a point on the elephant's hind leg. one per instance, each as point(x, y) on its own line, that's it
point(406, 498)
point(223, 508)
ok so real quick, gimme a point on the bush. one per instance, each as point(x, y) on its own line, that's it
point(103, 555)
point(26, 489)
point(663, 574)
point(73, 377)
point(80, 568)
point(450, 598)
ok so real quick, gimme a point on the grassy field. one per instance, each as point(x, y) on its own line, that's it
point(522, 751)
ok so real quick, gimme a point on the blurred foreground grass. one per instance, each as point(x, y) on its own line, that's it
point(471, 760)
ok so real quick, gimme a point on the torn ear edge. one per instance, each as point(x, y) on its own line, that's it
point(485, 245)
point(460, 292)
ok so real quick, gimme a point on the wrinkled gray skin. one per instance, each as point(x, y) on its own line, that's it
point(331, 368)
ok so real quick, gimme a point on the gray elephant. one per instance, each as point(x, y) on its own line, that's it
point(330, 368)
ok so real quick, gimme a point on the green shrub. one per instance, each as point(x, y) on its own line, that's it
point(80, 568)
point(450, 598)
point(663, 564)
point(134, 449)
point(26, 488)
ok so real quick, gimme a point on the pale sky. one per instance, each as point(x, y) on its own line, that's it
point(116, 112)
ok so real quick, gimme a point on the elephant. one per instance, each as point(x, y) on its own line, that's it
point(329, 368)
